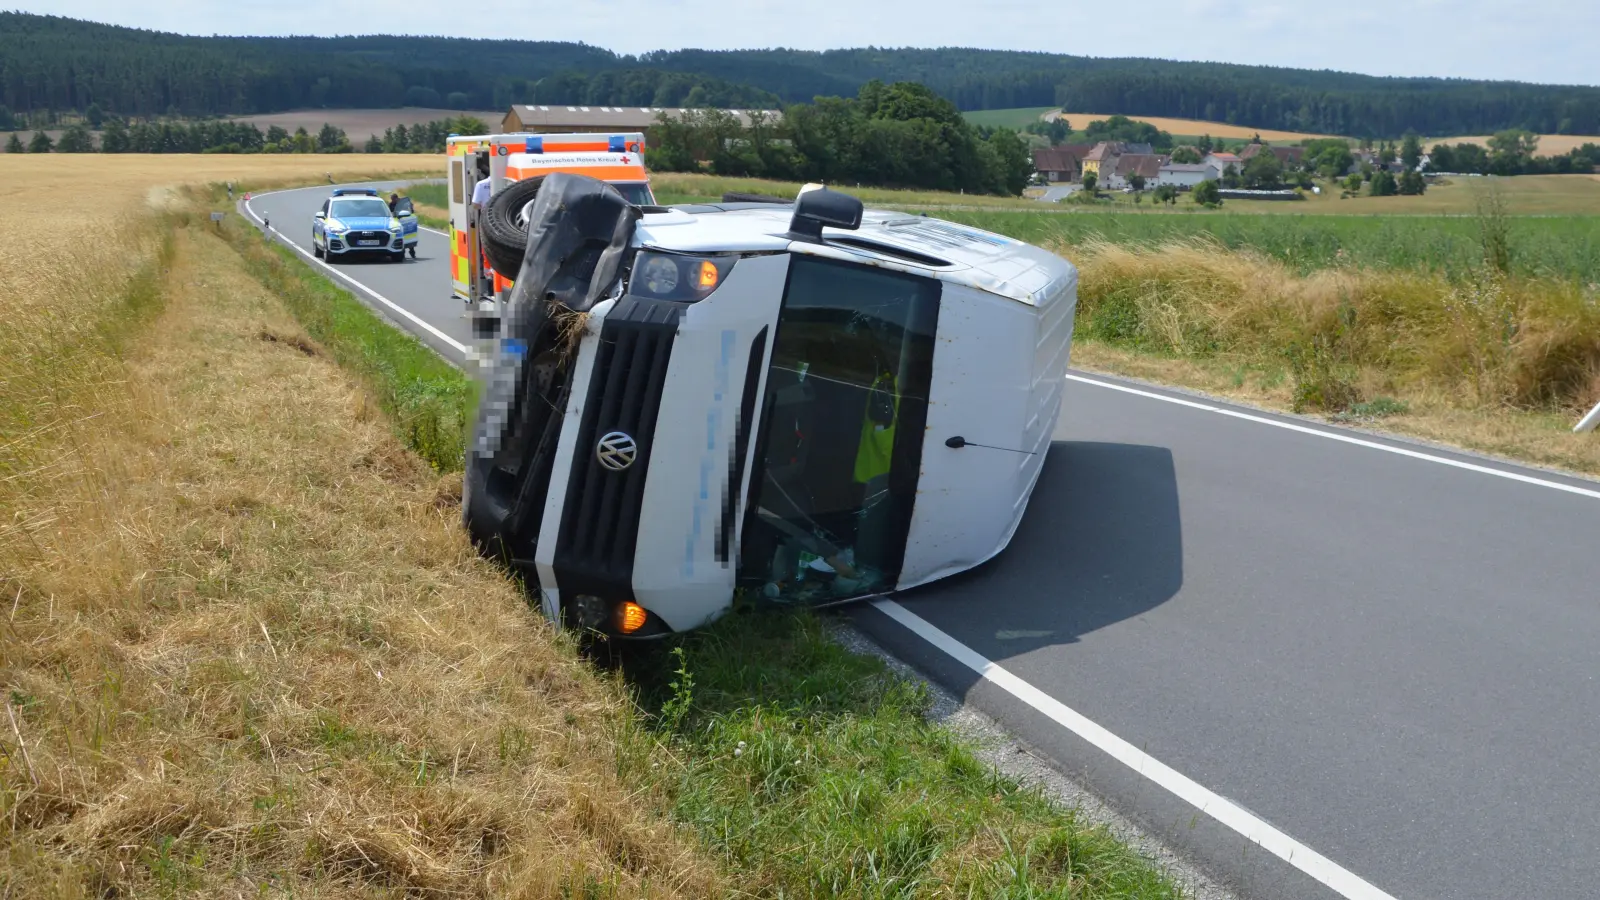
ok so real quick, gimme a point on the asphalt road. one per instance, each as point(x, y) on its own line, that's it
point(1387, 660)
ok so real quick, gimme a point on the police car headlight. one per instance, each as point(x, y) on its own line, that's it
point(670, 276)
point(334, 227)
point(394, 226)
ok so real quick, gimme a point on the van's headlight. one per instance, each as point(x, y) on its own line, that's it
point(669, 276)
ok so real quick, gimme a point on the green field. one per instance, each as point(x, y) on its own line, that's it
point(1436, 232)
point(1553, 246)
point(1007, 118)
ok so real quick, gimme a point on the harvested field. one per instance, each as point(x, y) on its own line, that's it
point(361, 123)
point(1549, 144)
point(1196, 127)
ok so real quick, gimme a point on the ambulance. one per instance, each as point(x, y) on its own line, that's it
point(616, 158)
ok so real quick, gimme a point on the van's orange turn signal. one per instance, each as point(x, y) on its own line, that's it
point(630, 617)
point(708, 275)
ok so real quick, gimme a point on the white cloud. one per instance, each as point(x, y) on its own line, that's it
point(1459, 38)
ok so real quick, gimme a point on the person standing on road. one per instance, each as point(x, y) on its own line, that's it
point(480, 201)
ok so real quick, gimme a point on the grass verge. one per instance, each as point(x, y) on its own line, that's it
point(429, 400)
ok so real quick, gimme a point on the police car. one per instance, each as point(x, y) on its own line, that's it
point(357, 221)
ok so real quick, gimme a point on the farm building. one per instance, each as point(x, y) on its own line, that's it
point(1185, 175)
point(1102, 158)
point(1064, 163)
point(558, 119)
point(1219, 163)
point(1144, 165)
point(1289, 156)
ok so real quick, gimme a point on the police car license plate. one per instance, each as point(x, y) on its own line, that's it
point(368, 243)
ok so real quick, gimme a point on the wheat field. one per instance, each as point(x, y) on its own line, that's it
point(1195, 127)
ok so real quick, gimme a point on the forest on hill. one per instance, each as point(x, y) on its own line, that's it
point(51, 65)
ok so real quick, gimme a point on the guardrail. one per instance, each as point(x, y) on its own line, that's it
point(1588, 423)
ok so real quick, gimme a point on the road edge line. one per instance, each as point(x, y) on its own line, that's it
point(1227, 813)
point(1344, 438)
point(413, 317)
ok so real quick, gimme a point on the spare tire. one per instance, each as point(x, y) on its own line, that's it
point(503, 228)
point(741, 197)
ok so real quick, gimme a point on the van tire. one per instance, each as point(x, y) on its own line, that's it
point(505, 240)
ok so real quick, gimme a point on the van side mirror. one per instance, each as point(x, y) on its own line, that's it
point(813, 210)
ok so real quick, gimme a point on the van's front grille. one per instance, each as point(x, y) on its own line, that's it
point(600, 518)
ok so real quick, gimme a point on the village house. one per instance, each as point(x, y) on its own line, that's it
point(1185, 175)
point(1061, 164)
point(1144, 165)
point(1290, 157)
point(1102, 159)
point(1219, 163)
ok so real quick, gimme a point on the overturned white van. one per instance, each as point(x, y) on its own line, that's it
point(793, 402)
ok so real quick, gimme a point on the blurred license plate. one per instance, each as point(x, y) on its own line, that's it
point(368, 243)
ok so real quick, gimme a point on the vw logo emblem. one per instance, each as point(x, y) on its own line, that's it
point(616, 451)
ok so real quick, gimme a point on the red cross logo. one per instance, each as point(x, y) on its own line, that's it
point(624, 159)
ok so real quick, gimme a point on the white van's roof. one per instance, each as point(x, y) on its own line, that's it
point(958, 254)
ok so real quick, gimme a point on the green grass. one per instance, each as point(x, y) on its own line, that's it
point(1565, 247)
point(431, 194)
point(1007, 118)
point(430, 401)
point(813, 772)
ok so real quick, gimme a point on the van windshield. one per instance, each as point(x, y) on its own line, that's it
point(841, 433)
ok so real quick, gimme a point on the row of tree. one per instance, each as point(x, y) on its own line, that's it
point(1511, 153)
point(50, 64)
point(894, 135)
point(119, 136)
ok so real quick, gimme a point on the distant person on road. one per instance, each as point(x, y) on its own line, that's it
point(393, 199)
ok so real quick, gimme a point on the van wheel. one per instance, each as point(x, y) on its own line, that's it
point(505, 235)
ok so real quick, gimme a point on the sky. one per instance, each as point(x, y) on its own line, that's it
point(1553, 43)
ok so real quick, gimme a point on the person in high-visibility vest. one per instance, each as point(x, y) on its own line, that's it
point(874, 461)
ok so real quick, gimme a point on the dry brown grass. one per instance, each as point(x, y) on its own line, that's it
point(1502, 365)
point(1195, 127)
point(244, 647)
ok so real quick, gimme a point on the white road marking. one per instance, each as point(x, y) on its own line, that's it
point(459, 347)
point(1254, 829)
point(1348, 439)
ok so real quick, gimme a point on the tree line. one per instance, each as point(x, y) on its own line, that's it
point(1511, 153)
point(51, 65)
point(119, 136)
point(895, 135)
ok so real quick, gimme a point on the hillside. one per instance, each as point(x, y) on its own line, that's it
point(53, 63)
